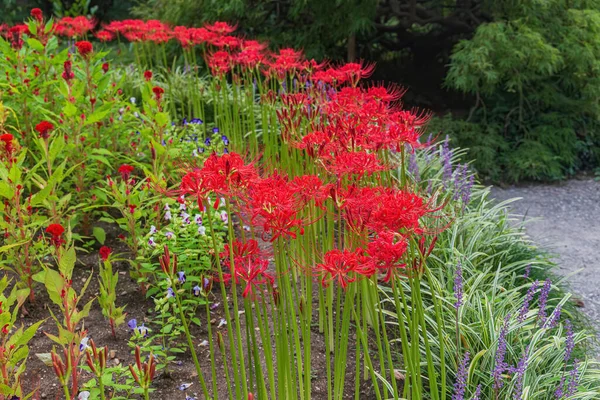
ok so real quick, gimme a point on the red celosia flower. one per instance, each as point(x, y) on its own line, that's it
point(125, 170)
point(147, 75)
point(7, 141)
point(158, 92)
point(344, 266)
point(44, 129)
point(56, 231)
point(67, 71)
point(105, 252)
point(105, 67)
point(37, 14)
point(84, 48)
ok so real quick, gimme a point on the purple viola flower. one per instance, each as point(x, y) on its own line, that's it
point(169, 235)
point(181, 277)
point(215, 130)
point(196, 290)
point(458, 286)
point(225, 150)
point(527, 301)
point(225, 140)
point(142, 330)
point(499, 364)
point(569, 340)
point(544, 300)
point(207, 141)
point(196, 121)
point(460, 386)
point(170, 293)
point(132, 324)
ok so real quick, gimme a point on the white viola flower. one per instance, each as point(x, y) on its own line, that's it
point(85, 395)
point(202, 230)
point(246, 228)
point(151, 241)
point(153, 230)
point(184, 386)
point(185, 217)
point(83, 345)
point(224, 217)
point(167, 206)
point(195, 153)
point(169, 235)
point(182, 207)
point(132, 100)
point(198, 219)
point(222, 202)
point(168, 216)
point(222, 322)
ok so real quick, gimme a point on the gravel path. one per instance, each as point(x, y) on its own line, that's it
point(565, 220)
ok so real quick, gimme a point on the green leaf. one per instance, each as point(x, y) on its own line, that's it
point(35, 44)
point(99, 234)
point(161, 118)
point(69, 109)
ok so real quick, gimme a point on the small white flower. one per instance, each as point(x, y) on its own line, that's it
point(198, 219)
point(203, 343)
point(246, 228)
point(182, 207)
point(168, 215)
point(195, 153)
point(222, 322)
point(132, 100)
point(222, 202)
point(152, 230)
point(83, 395)
point(184, 386)
point(167, 207)
point(202, 230)
point(135, 114)
point(151, 241)
point(224, 217)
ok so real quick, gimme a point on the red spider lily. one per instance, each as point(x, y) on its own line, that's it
point(310, 188)
point(354, 164)
point(227, 175)
point(381, 208)
point(221, 28)
point(84, 48)
point(284, 63)
point(68, 74)
point(343, 266)
point(274, 205)
point(104, 252)
point(230, 42)
point(248, 250)
point(125, 170)
point(44, 128)
point(386, 252)
point(192, 183)
point(104, 36)
point(385, 94)
point(56, 231)
point(248, 266)
point(158, 92)
point(354, 72)
point(200, 36)
point(37, 14)
point(183, 35)
point(148, 75)
point(220, 63)
point(74, 27)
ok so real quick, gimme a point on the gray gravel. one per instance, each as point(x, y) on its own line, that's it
point(564, 219)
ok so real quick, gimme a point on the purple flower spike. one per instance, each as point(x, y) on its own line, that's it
point(500, 365)
point(519, 371)
point(460, 386)
point(569, 341)
point(543, 300)
point(527, 301)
